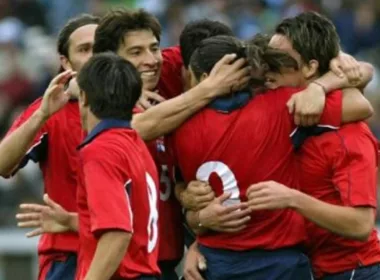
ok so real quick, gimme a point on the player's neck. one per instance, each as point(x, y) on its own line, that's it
point(91, 122)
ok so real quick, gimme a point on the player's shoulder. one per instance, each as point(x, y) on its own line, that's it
point(172, 55)
point(357, 135)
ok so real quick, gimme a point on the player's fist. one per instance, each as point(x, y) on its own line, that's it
point(196, 196)
point(346, 65)
point(55, 97)
point(307, 105)
point(269, 196)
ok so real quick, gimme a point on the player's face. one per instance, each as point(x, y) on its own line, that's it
point(142, 49)
point(81, 42)
point(287, 76)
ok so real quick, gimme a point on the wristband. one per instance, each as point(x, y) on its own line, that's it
point(322, 86)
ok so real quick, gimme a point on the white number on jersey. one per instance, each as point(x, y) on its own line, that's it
point(153, 215)
point(225, 174)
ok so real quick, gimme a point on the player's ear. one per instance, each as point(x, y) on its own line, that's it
point(203, 77)
point(310, 70)
point(65, 62)
point(83, 98)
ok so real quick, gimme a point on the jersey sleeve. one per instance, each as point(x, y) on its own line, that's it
point(330, 120)
point(38, 149)
point(107, 197)
point(354, 171)
point(170, 84)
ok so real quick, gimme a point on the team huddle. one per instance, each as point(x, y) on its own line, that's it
point(254, 155)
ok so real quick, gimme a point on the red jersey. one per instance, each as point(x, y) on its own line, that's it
point(54, 148)
point(247, 146)
point(340, 168)
point(170, 210)
point(170, 84)
point(118, 190)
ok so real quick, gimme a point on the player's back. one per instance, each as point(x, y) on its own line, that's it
point(131, 163)
point(233, 151)
point(340, 168)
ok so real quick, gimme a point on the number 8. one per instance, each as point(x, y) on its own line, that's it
point(153, 215)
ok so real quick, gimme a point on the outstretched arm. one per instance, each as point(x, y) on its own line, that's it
point(14, 146)
point(165, 117)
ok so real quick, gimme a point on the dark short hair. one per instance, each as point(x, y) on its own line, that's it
point(63, 42)
point(117, 23)
point(196, 31)
point(256, 51)
point(313, 36)
point(112, 86)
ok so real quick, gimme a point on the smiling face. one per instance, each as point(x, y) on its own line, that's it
point(142, 49)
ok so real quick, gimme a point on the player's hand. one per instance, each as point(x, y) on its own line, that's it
point(229, 76)
point(196, 196)
point(346, 65)
point(217, 217)
point(49, 218)
point(307, 105)
point(194, 262)
point(73, 88)
point(269, 195)
point(55, 97)
point(148, 99)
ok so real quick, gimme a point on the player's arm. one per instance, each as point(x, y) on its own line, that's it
point(352, 222)
point(14, 146)
point(112, 226)
point(110, 251)
point(165, 117)
point(354, 176)
point(355, 107)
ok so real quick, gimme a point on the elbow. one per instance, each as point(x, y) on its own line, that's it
point(368, 72)
point(363, 230)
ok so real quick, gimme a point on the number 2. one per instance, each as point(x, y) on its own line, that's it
point(153, 214)
point(225, 174)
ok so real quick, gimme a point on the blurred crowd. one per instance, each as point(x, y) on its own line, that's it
point(28, 58)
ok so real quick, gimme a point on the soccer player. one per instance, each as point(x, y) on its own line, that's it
point(51, 142)
point(118, 184)
point(337, 169)
point(227, 145)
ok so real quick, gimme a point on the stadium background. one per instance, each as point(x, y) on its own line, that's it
point(28, 60)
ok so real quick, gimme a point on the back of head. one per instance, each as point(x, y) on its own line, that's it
point(195, 32)
point(211, 50)
point(116, 24)
point(112, 86)
point(259, 56)
point(313, 36)
point(69, 28)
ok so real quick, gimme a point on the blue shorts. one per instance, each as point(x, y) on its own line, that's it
point(283, 264)
point(63, 270)
point(371, 272)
